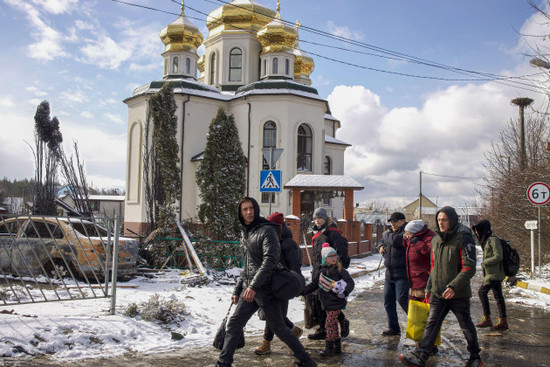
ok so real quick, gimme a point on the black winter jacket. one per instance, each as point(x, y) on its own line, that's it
point(395, 258)
point(261, 250)
point(291, 253)
point(330, 300)
point(332, 236)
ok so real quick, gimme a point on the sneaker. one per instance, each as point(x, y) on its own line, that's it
point(485, 321)
point(390, 332)
point(344, 328)
point(502, 324)
point(318, 335)
point(474, 361)
point(297, 331)
point(411, 360)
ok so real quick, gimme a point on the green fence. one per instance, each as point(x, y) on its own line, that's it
point(218, 255)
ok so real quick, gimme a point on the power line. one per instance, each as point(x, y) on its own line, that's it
point(456, 177)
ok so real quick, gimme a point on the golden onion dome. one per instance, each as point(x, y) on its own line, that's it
point(303, 64)
point(200, 64)
point(276, 36)
point(181, 35)
point(238, 15)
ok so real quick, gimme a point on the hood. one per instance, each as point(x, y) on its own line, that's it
point(286, 233)
point(483, 229)
point(453, 217)
point(256, 211)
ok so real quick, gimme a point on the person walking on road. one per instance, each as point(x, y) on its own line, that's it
point(291, 258)
point(396, 285)
point(261, 249)
point(417, 241)
point(326, 232)
point(334, 284)
point(493, 275)
point(453, 266)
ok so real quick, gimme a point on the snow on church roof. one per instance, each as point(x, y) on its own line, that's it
point(330, 139)
point(323, 182)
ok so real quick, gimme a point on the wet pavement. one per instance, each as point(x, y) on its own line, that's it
point(526, 343)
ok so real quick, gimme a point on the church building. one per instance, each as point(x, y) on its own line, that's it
point(253, 68)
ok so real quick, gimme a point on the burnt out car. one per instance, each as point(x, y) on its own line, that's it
point(58, 247)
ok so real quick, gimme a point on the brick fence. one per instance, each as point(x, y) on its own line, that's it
point(350, 229)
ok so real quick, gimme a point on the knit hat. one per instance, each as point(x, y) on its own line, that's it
point(415, 226)
point(320, 213)
point(326, 251)
point(277, 218)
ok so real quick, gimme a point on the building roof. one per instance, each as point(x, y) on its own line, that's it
point(323, 182)
point(332, 140)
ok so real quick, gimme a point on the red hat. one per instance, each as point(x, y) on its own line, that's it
point(277, 218)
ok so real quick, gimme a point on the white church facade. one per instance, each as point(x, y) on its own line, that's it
point(252, 67)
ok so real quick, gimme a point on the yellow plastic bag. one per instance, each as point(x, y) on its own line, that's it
point(416, 321)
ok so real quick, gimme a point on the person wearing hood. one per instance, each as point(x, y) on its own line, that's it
point(448, 287)
point(493, 275)
point(326, 232)
point(291, 258)
point(396, 285)
point(261, 249)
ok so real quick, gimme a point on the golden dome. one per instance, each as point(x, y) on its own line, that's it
point(200, 64)
point(239, 15)
point(303, 64)
point(181, 35)
point(276, 36)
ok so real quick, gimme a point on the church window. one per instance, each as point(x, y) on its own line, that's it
point(304, 148)
point(270, 141)
point(327, 166)
point(175, 65)
point(287, 66)
point(235, 65)
point(275, 66)
point(187, 66)
point(213, 69)
point(265, 67)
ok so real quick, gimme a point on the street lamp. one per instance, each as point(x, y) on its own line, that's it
point(539, 63)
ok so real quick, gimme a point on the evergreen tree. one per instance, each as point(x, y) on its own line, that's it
point(48, 138)
point(221, 178)
point(162, 171)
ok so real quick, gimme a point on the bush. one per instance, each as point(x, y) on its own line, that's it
point(159, 309)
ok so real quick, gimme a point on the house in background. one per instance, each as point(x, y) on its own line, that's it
point(15, 205)
point(108, 205)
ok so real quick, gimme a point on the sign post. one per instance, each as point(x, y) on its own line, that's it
point(538, 194)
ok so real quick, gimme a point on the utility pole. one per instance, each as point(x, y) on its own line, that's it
point(420, 198)
point(522, 102)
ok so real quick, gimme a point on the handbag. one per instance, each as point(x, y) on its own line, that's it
point(287, 284)
point(416, 321)
point(220, 334)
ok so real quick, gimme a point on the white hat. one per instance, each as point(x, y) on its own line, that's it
point(415, 226)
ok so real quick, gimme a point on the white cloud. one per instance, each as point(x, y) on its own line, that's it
point(117, 119)
point(6, 101)
point(74, 96)
point(34, 90)
point(343, 31)
point(105, 53)
point(57, 6)
point(87, 114)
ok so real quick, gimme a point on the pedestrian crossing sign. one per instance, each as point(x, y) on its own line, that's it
point(270, 181)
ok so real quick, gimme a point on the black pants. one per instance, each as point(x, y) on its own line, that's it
point(439, 308)
point(496, 286)
point(322, 315)
point(274, 319)
point(268, 333)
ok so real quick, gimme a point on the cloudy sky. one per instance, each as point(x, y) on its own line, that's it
point(389, 84)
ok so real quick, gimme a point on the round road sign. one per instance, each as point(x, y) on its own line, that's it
point(538, 193)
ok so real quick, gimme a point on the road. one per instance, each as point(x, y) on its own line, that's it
point(526, 343)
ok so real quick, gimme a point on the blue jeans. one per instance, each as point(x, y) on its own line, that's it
point(274, 318)
point(395, 290)
point(439, 308)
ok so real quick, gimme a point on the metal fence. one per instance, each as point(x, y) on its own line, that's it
point(47, 258)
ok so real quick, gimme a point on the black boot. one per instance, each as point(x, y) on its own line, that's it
point(344, 328)
point(338, 346)
point(319, 334)
point(306, 362)
point(329, 350)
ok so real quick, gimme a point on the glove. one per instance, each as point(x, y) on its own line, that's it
point(339, 288)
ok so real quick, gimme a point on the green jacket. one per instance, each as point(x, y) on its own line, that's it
point(492, 260)
point(453, 262)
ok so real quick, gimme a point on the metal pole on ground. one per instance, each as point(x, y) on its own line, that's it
point(115, 266)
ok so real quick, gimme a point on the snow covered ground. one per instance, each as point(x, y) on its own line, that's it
point(85, 328)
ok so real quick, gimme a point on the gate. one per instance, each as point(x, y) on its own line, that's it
point(47, 258)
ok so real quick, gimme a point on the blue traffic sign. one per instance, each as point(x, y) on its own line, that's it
point(270, 181)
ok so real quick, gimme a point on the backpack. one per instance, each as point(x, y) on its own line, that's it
point(510, 258)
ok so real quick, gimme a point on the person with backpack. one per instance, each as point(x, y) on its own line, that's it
point(493, 275)
point(327, 232)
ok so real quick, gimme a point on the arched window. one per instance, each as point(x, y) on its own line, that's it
point(304, 148)
point(175, 65)
point(165, 65)
point(287, 66)
point(270, 141)
point(275, 66)
point(265, 67)
point(187, 66)
point(235, 65)
point(213, 69)
point(328, 166)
